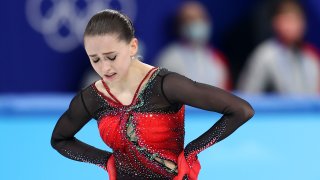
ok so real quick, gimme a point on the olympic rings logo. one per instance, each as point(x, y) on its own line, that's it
point(62, 22)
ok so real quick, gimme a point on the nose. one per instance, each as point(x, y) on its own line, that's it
point(106, 66)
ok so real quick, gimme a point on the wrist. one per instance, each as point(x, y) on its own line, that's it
point(191, 158)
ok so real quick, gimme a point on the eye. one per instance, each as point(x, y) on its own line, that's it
point(95, 60)
point(112, 58)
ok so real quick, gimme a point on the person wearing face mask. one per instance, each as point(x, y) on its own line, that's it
point(283, 64)
point(191, 55)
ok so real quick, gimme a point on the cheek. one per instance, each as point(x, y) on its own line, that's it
point(124, 63)
point(96, 68)
point(125, 58)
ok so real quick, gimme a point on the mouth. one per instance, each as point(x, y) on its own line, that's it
point(109, 75)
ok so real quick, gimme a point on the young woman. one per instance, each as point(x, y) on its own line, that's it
point(140, 109)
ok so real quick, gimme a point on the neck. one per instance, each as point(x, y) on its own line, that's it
point(290, 44)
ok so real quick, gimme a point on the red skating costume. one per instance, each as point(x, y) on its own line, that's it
point(147, 136)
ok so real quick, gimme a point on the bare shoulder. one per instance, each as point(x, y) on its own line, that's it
point(98, 84)
point(146, 66)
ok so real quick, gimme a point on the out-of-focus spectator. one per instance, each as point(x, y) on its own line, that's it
point(284, 63)
point(191, 55)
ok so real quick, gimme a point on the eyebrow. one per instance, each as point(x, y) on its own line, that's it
point(94, 55)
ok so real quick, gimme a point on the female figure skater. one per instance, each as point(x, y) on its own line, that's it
point(140, 109)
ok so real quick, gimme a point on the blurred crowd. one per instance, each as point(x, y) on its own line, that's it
point(282, 63)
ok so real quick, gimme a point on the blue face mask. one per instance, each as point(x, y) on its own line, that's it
point(197, 32)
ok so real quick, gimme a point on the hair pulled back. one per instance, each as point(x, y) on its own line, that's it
point(110, 22)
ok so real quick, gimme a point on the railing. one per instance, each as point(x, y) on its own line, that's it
point(57, 103)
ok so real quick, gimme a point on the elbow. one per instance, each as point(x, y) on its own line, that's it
point(244, 112)
point(54, 142)
point(58, 142)
point(247, 112)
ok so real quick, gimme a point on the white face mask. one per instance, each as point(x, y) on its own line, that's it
point(197, 32)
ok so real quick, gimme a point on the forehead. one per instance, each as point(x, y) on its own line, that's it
point(192, 11)
point(102, 43)
point(290, 8)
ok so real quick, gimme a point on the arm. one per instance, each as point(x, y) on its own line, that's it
point(236, 111)
point(68, 125)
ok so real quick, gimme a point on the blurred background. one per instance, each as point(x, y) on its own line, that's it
point(265, 51)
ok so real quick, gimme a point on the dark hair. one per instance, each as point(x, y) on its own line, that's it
point(110, 22)
point(282, 5)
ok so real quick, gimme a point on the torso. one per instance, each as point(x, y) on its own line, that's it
point(288, 71)
point(127, 129)
point(202, 65)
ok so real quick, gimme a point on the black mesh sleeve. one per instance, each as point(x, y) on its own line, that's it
point(68, 125)
point(236, 111)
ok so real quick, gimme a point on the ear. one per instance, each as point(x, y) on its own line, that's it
point(133, 46)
